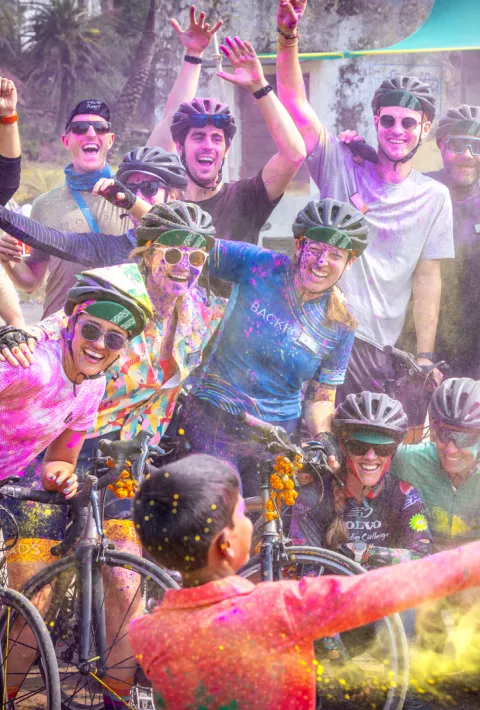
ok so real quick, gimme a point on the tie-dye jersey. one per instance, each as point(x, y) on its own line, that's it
point(233, 644)
point(38, 403)
point(139, 396)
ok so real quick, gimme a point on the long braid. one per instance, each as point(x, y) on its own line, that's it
point(337, 533)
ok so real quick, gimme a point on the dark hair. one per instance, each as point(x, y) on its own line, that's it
point(181, 507)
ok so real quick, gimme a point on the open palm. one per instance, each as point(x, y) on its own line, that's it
point(247, 69)
point(198, 35)
point(290, 12)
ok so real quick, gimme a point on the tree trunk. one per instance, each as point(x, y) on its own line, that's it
point(127, 102)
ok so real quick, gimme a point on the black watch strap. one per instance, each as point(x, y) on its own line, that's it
point(428, 356)
point(263, 91)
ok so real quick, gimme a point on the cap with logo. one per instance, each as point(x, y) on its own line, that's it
point(95, 107)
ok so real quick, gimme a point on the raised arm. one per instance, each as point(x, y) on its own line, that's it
point(195, 39)
point(90, 249)
point(291, 87)
point(248, 72)
point(9, 141)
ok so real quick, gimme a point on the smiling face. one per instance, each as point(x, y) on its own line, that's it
point(368, 469)
point(457, 462)
point(141, 178)
point(204, 149)
point(320, 265)
point(171, 279)
point(397, 142)
point(463, 169)
point(89, 357)
point(89, 150)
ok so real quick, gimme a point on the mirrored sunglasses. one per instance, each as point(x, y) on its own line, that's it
point(408, 122)
point(459, 144)
point(219, 120)
point(148, 188)
point(113, 341)
point(81, 127)
point(360, 448)
point(461, 439)
point(174, 256)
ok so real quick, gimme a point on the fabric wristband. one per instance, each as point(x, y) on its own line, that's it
point(192, 60)
point(5, 120)
point(427, 356)
point(263, 91)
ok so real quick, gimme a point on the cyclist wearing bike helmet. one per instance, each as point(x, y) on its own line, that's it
point(287, 326)
point(408, 214)
point(380, 518)
point(202, 130)
point(446, 471)
point(458, 137)
point(151, 174)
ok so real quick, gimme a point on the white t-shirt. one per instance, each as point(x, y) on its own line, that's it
point(37, 404)
point(408, 222)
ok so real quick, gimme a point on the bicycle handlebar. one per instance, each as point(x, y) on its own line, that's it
point(411, 360)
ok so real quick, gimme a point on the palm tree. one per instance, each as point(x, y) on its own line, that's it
point(129, 97)
point(10, 24)
point(61, 46)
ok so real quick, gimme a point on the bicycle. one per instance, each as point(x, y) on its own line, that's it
point(278, 559)
point(78, 587)
point(414, 385)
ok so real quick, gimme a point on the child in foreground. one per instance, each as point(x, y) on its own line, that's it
point(223, 642)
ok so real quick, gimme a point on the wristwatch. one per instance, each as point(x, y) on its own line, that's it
point(358, 548)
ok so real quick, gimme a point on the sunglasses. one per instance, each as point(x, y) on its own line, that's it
point(461, 439)
point(174, 256)
point(148, 188)
point(360, 448)
point(81, 127)
point(219, 120)
point(408, 123)
point(459, 144)
point(113, 341)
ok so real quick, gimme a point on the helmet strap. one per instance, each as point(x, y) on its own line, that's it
point(72, 321)
point(412, 152)
point(207, 188)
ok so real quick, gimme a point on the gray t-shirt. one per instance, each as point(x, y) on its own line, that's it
point(58, 209)
point(407, 222)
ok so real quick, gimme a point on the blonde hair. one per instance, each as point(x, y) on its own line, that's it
point(337, 311)
point(337, 533)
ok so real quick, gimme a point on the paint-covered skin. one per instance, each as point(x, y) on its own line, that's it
point(462, 170)
point(170, 281)
point(319, 266)
point(397, 142)
point(204, 149)
point(458, 463)
point(88, 150)
point(253, 644)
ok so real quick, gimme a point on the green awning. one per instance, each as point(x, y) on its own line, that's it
point(451, 25)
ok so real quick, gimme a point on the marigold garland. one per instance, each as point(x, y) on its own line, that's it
point(126, 485)
point(282, 484)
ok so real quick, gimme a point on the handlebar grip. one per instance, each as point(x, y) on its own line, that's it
point(261, 427)
point(39, 496)
point(391, 350)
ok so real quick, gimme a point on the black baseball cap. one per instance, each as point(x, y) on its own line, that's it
point(94, 106)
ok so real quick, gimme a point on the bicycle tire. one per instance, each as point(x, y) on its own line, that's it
point(48, 669)
point(331, 562)
point(90, 695)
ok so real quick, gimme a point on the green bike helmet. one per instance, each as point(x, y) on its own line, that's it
point(462, 120)
point(332, 222)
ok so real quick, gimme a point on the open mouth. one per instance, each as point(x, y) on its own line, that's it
point(91, 148)
point(368, 467)
point(453, 459)
point(319, 274)
point(178, 279)
point(206, 161)
point(92, 356)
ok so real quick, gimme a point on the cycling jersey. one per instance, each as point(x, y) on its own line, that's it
point(394, 520)
point(9, 178)
point(272, 342)
point(38, 403)
point(453, 513)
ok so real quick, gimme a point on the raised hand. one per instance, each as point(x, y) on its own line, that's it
point(289, 14)
point(8, 97)
point(198, 35)
point(247, 69)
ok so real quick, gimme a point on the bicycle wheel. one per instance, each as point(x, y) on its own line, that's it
point(22, 630)
point(83, 687)
point(385, 679)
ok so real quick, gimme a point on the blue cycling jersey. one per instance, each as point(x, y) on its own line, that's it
point(272, 342)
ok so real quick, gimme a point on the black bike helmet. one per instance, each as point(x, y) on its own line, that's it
point(371, 410)
point(153, 161)
point(175, 215)
point(211, 107)
point(457, 402)
point(348, 229)
point(463, 120)
point(390, 91)
point(121, 284)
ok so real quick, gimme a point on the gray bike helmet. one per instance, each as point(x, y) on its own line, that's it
point(407, 91)
point(457, 402)
point(211, 107)
point(156, 162)
point(371, 410)
point(176, 215)
point(463, 120)
point(345, 226)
